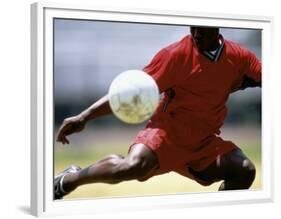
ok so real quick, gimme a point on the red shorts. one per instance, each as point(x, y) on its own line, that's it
point(179, 147)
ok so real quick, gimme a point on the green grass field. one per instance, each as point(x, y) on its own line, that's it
point(94, 144)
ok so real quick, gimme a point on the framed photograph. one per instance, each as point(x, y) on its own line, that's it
point(209, 140)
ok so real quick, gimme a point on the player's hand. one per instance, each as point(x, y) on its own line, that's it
point(70, 125)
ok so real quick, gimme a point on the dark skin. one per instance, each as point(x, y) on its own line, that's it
point(234, 168)
point(206, 39)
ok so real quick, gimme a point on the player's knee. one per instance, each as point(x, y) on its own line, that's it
point(138, 167)
point(248, 171)
point(240, 177)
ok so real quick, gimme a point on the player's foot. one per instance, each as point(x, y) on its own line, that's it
point(59, 192)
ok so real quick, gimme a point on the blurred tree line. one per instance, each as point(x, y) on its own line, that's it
point(241, 111)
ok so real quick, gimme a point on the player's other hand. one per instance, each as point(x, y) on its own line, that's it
point(70, 125)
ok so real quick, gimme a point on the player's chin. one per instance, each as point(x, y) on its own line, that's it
point(200, 47)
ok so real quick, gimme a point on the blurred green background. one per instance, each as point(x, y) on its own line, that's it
point(89, 54)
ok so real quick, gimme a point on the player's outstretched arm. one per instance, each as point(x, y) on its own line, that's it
point(99, 108)
point(77, 123)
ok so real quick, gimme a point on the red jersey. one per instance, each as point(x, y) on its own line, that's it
point(196, 85)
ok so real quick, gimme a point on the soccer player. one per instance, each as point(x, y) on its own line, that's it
point(196, 75)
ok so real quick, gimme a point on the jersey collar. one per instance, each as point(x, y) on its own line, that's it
point(214, 56)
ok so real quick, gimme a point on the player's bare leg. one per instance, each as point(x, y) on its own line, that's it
point(139, 162)
point(237, 171)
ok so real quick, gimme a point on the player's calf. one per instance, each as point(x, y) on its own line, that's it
point(113, 169)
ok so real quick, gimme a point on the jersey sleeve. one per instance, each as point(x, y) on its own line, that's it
point(163, 68)
point(251, 70)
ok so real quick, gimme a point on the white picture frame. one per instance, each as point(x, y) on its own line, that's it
point(42, 203)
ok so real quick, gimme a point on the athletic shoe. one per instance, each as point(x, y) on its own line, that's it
point(59, 192)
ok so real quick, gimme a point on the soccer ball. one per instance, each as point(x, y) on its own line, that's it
point(133, 96)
